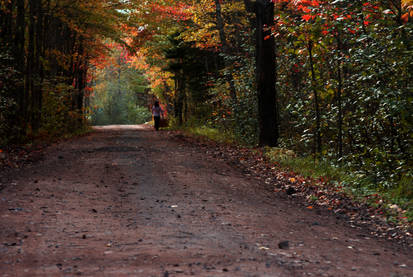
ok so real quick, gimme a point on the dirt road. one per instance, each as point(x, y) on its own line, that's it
point(128, 201)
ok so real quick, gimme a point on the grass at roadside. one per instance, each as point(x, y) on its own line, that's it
point(396, 204)
point(213, 134)
point(210, 133)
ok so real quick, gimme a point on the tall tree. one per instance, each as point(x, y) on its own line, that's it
point(265, 71)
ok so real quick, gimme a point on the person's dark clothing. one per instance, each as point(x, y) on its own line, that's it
point(157, 119)
point(157, 112)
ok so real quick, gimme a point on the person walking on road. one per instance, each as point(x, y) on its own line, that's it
point(157, 112)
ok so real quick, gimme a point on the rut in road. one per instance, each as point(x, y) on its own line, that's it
point(128, 201)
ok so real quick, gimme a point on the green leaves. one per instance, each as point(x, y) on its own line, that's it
point(373, 63)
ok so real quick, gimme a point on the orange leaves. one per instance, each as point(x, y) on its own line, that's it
point(176, 11)
point(405, 17)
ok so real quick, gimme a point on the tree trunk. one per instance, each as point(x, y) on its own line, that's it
point(30, 65)
point(40, 42)
point(179, 96)
point(317, 135)
point(266, 74)
point(339, 101)
point(80, 65)
point(20, 35)
point(6, 21)
point(36, 82)
point(19, 57)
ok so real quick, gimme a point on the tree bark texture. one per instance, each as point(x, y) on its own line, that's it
point(339, 101)
point(19, 57)
point(179, 97)
point(6, 21)
point(266, 74)
point(317, 135)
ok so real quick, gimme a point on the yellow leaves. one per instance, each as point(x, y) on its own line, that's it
point(201, 11)
point(202, 37)
point(209, 25)
point(407, 4)
point(205, 33)
point(234, 7)
point(196, 20)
